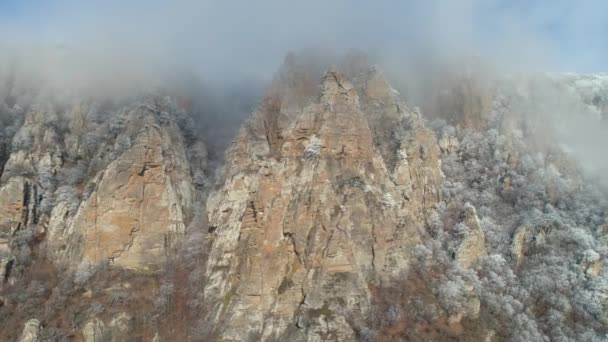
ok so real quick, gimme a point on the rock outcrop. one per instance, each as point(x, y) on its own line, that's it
point(518, 244)
point(448, 144)
point(137, 210)
point(473, 243)
point(303, 224)
point(94, 330)
point(92, 184)
point(31, 330)
point(591, 262)
point(134, 206)
point(87, 185)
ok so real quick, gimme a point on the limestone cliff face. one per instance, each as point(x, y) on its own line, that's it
point(13, 198)
point(302, 225)
point(473, 244)
point(338, 216)
point(114, 190)
point(90, 186)
point(30, 331)
point(137, 208)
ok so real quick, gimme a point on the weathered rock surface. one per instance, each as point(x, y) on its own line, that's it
point(89, 184)
point(305, 222)
point(448, 144)
point(31, 330)
point(94, 330)
point(461, 97)
point(591, 262)
point(135, 204)
point(473, 244)
point(11, 204)
point(518, 244)
point(137, 210)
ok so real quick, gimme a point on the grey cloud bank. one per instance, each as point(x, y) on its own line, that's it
point(245, 38)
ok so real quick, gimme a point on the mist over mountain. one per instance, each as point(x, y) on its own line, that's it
point(303, 171)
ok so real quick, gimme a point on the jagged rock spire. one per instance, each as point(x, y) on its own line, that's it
point(304, 223)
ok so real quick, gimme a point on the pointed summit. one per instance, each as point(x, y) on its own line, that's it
point(321, 195)
point(336, 88)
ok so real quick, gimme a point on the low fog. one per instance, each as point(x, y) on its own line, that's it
point(75, 43)
point(227, 52)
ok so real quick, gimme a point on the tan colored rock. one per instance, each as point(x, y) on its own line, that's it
point(473, 244)
point(60, 222)
point(455, 318)
point(128, 196)
point(301, 234)
point(137, 211)
point(140, 201)
point(4, 245)
point(39, 145)
point(418, 173)
point(5, 268)
point(121, 323)
point(591, 262)
point(448, 144)
point(31, 330)
point(94, 330)
point(490, 336)
point(518, 244)
point(12, 204)
point(376, 87)
point(18, 200)
point(473, 306)
point(26, 173)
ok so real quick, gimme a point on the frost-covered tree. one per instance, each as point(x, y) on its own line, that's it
point(312, 150)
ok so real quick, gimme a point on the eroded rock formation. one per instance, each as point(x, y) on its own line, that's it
point(137, 210)
point(31, 330)
point(304, 224)
point(473, 243)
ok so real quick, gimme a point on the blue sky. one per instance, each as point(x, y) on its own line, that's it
point(563, 34)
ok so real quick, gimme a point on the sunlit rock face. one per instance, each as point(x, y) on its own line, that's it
point(13, 198)
point(314, 208)
point(473, 244)
point(31, 330)
point(137, 209)
point(118, 192)
point(89, 186)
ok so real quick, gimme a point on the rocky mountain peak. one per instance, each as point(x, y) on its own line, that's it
point(337, 215)
point(322, 211)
